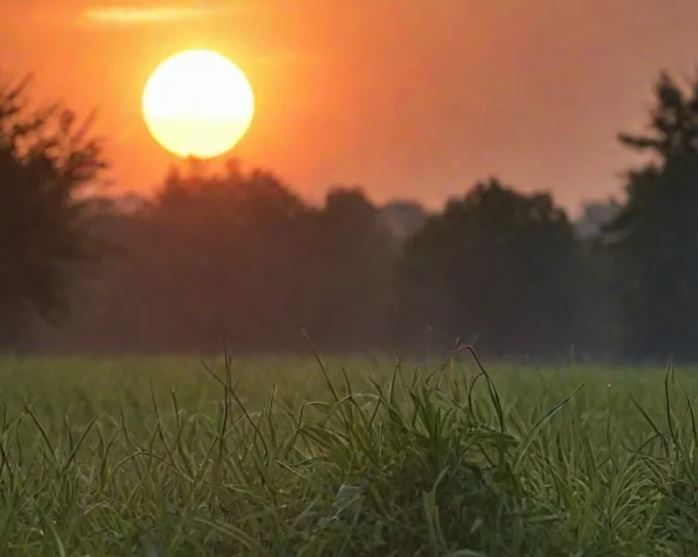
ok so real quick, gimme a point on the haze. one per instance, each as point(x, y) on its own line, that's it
point(409, 98)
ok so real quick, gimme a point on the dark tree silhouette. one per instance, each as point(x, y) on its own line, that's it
point(497, 266)
point(218, 260)
point(653, 241)
point(236, 259)
point(350, 279)
point(47, 163)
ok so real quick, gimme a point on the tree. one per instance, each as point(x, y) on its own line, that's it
point(238, 260)
point(48, 161)
point(653, 241)
point(351, 273)
point(499, 267)
point(220, 263)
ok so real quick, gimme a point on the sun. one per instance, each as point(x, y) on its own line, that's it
point(198, 104)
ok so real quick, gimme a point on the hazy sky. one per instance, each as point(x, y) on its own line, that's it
point(409, 98)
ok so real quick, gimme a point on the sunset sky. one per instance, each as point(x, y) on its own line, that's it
point(408, 98)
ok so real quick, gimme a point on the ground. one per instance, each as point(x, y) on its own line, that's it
point(354, 456)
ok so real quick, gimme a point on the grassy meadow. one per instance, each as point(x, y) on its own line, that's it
point(350, 456)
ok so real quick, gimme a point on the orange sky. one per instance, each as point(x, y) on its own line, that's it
point(409, 98)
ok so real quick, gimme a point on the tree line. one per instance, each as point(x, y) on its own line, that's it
point(236, 259)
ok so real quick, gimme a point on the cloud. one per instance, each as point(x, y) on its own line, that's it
point(132, 15)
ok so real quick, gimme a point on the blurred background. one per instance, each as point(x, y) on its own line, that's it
point(501, 174)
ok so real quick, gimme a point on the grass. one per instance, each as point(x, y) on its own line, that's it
point(293, 457)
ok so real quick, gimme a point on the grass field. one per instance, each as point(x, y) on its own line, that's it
point(283, 456)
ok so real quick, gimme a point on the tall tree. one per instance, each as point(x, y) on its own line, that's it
point(499, 267)
point(47, 162)
point(654, 239)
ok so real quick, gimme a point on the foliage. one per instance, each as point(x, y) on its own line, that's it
point(498, 266)
point(653, 242)
point(238, 260)
point(47, 161)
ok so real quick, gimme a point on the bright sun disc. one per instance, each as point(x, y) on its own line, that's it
point(198, 104)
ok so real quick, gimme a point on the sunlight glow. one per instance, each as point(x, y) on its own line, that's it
point(198, 104)
point(131, 15)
